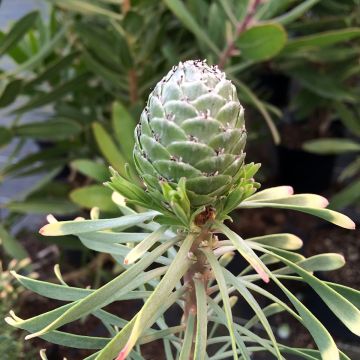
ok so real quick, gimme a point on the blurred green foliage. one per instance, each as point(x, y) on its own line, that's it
point(90, 65)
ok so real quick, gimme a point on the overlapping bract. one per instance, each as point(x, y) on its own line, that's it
point(192, 127)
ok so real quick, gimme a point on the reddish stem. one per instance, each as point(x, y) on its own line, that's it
point(125, 6)
point(199, 267)
point(240, 28)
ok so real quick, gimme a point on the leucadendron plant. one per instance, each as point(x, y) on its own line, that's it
point(189, 153)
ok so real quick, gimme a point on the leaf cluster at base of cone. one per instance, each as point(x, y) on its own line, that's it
point(173, 202)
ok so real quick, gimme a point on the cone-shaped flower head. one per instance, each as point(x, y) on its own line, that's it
point(192, 127)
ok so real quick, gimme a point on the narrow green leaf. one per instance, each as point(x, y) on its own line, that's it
point(268, 311)
point(242, 333)
point(342, 308)
point(321, 262)
point(140, 249)
point(92, 169)
point(100, 297)
point(283, 241)
point(218, 272)
point(258, 289)
point(308, 200)
point(161, 334)
point(18, 30)
point(11, 245)
point(323, 39)
point(10, 93)
point(116, 237)
point(43, 206)
point(252, 98)
point(323, 85)
point(104, 72)
point(319, 333)
point(188, 339)
point(177, 269)
point(296, 12)
point(52, 129)
point(5, 136)
point(245, 251)
point(348, 117)
point(86, 7)
point(350, 170)
point(183, 14)
point(94, 195)
point(349, 195)
point(16, 53)
point(108, 148)
point(52, 70)
point(85, 226)
point(245, 293)
point(119, 341)
point(123, 125)
point(277, 192)
point(44, 51)
point(326, 214)
point(56, 94)
point(70, 293)
point(60, 337)
point(201, 320)
point(331, 146)
point(348, 293)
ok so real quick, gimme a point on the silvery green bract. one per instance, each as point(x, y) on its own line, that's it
point(192, 127)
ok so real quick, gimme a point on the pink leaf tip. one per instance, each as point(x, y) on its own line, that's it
point(325, 202)
point(123, 353)
point(264, 276)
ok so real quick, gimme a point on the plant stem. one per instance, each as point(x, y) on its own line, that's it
point(240, 28)
point(198, 269)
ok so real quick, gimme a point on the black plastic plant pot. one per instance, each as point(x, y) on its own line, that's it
point(304, 171)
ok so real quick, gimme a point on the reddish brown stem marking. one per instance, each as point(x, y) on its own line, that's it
point(199, 268)
point(240, 28)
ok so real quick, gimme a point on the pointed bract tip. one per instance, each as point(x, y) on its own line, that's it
point(290, 190)
point(126, 261)
point(42, 230)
